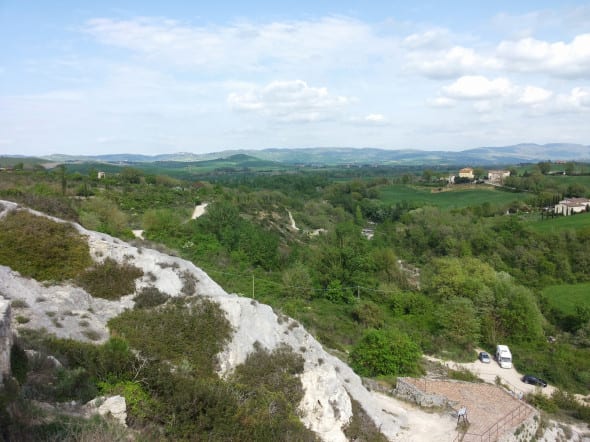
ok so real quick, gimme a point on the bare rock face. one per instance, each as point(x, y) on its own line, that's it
point(5, 339)
point(328, 382)
point(114, 406)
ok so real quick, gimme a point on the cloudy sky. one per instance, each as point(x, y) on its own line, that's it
point(153, 77)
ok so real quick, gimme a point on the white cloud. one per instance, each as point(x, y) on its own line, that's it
point(330, 41)
point(448, 63)
point(559, 59)
point(289, 101)
point(477, 87)
point(534, 95)
point(376, 118)
point(437, 38)
point(577, 100)
point(492, 96)
point(442, 102)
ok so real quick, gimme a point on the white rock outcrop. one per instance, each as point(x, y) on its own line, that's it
point(328, 382)
point(114, 406)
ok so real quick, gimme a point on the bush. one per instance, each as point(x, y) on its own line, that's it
point(194, 333)
point(386, 353)
point(110, 280)
point(140, 404)
point(274, 371)
point(42, 249)
point(19, 363)
point(361, 427)
point(150, 297)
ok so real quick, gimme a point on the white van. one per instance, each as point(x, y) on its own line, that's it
point(503, 356)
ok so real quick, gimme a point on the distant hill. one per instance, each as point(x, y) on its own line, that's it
point(519, 153)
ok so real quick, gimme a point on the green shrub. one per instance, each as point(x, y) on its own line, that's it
point(189, 283)
point(22, 319)
point(381, 352)
point(19, 303)
point(112, 361)
point(150, 297)
point(361, 427)
point(368, 314)
point(140, 405)
point(110, 280)
point(41, 248)
point(463, 374)
point(19, 363)
point(74, 384)
point(195, 332)
point(275, 371)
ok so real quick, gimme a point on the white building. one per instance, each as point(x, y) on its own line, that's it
point(570, 206)
point(466, 172)
point(497, 176)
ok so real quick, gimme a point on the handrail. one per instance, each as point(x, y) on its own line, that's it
point(501, 425)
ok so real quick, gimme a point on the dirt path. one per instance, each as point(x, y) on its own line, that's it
point(488, 372)
point(199, 210)
point(418, 425)
point(293, 225)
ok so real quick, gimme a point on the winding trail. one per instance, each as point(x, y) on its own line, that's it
point(199, 210)
point(293, 225)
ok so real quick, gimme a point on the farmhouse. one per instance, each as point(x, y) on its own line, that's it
point(571, 206)
point(497, 176)
point(466, 172)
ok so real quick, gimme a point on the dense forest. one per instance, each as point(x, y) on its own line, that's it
point(380, 264)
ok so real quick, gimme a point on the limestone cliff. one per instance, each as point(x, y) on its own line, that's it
point(328, 382)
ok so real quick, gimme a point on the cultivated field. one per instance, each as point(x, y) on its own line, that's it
point(449, 199)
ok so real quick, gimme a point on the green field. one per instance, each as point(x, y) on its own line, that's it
point(568, 180)
point(462, 197)
point(566, 297)
point(560, 223)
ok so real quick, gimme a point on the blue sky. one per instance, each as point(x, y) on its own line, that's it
point(161, 77)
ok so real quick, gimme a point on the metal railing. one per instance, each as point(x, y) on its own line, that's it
point(498, 428)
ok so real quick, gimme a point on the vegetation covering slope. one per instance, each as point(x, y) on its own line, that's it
point(441, 278)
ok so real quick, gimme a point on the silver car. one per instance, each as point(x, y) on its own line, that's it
point(484, 357)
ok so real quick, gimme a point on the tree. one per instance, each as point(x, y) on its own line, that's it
point(385, 352)
point(131, 176)
point(63, 179)
point(297, 281)
point(569, 167)
point(479, 173)
point(459, 323)
point(544, 167)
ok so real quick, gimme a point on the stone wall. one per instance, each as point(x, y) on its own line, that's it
point(406, 390)
point(5, 339)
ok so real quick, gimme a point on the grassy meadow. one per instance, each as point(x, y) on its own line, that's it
point(565, 297)
point(457, 198)
point(559, 223)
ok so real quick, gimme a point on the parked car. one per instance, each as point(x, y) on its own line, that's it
point(530, 379)
point(484, 357)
